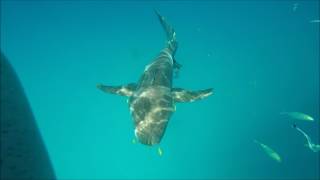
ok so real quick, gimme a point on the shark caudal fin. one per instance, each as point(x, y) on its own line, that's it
point(172, 43)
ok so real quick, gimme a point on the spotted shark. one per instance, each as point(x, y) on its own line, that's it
point(152, 99)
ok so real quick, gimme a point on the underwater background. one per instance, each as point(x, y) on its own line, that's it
point(261, 58)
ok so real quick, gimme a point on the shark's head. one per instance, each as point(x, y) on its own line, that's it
point(151, 111)
point(150, 133)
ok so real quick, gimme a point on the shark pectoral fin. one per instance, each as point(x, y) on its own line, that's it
point(124, 90)
point(182, 95)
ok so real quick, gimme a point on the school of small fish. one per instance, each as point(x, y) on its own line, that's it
point(297, 116)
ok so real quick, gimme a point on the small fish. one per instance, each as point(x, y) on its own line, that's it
point(315, 21)
point(134, 141)
point(160, 152)
point(270, 152)
point(310, 145)
point(295, 6)
point(298, 115)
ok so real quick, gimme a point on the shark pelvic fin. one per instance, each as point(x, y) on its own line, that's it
point(182, 95)
point(124, 90)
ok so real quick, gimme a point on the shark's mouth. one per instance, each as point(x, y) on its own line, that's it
point(145, 138)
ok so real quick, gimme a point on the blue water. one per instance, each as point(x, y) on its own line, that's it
point(261, 58)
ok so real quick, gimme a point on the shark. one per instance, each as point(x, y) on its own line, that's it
point(152, 99)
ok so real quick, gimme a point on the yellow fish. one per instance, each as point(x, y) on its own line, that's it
point(160, 152)
point(270, 152)
point(298, 115)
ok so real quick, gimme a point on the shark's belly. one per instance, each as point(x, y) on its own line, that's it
point(151, 109)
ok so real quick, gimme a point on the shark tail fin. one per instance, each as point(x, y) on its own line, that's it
point(172, 43)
